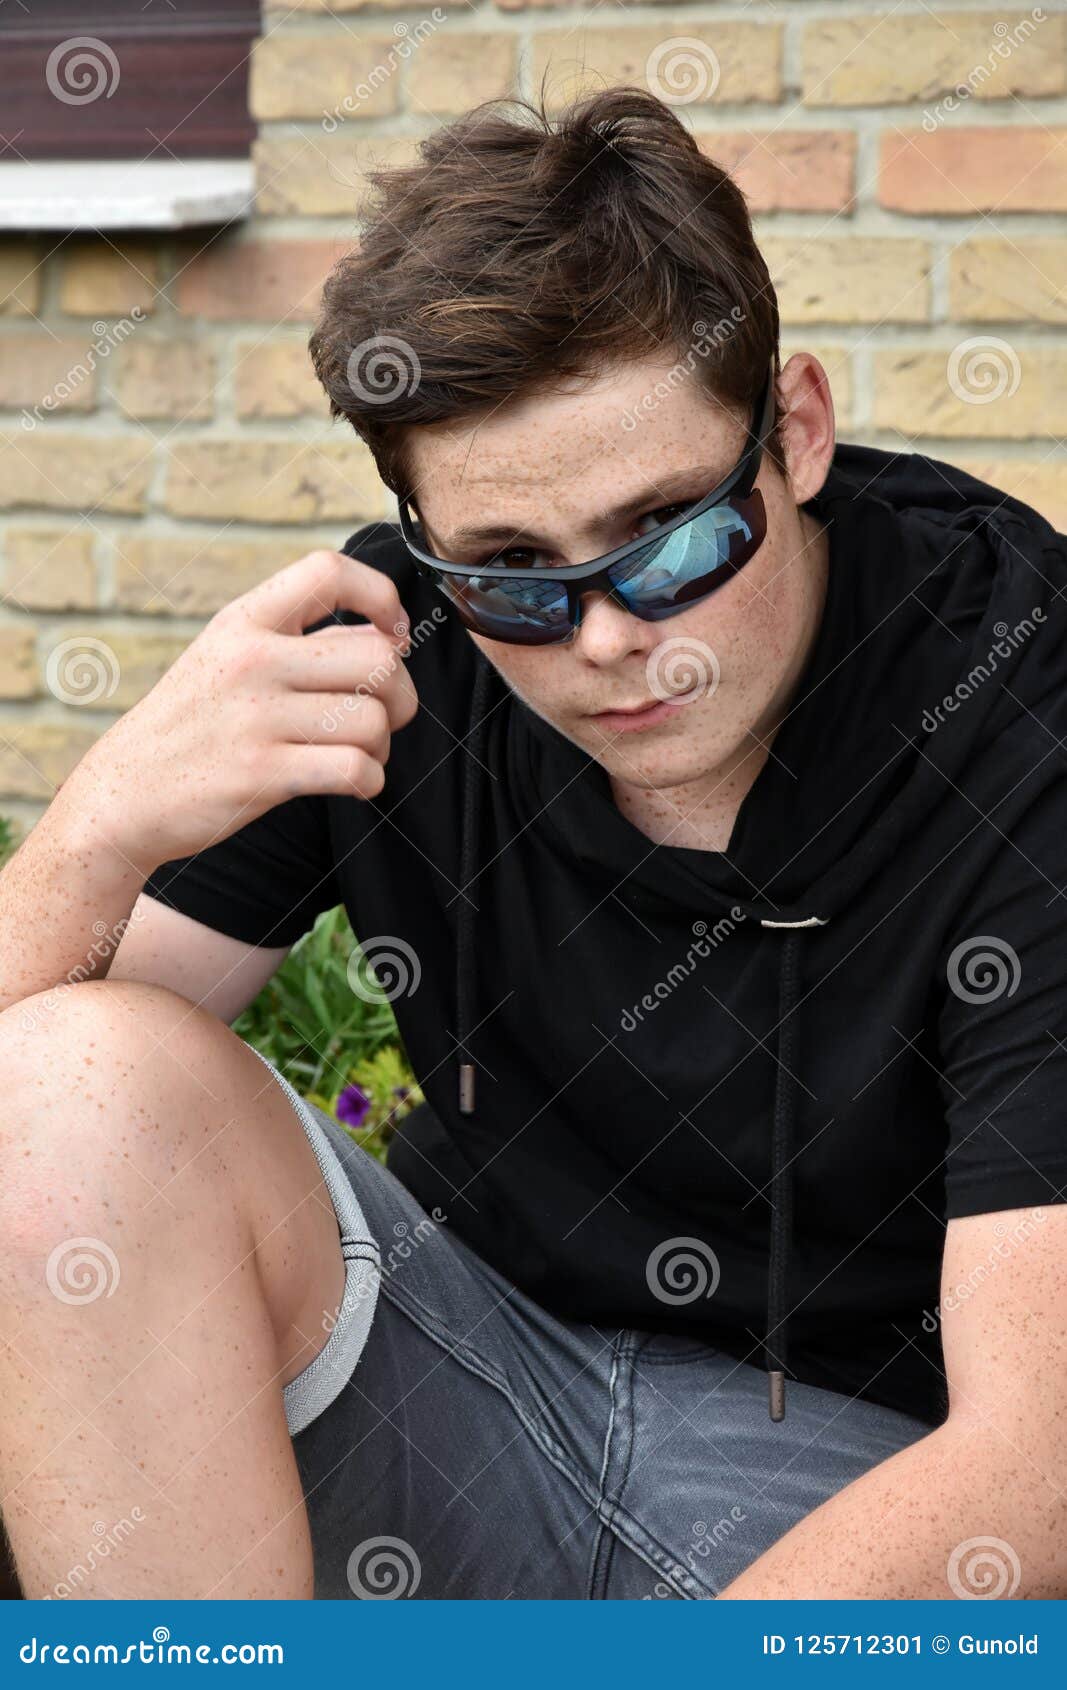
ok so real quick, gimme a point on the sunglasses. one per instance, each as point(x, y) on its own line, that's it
point(653, 577)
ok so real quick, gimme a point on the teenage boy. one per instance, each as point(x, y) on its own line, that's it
point(697, 787)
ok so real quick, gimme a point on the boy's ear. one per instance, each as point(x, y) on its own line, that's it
point(807, 430)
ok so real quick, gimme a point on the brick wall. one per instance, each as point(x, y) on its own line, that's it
point(163, 443)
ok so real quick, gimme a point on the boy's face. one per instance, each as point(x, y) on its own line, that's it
point(552, 470)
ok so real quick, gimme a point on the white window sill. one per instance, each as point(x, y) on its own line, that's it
point(124, 193)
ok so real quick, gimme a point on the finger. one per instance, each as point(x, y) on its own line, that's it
point(316, 585)
point(346, 665)
point(346, 769)
point(332, 718)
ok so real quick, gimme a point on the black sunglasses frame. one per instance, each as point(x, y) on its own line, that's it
point(593, 575)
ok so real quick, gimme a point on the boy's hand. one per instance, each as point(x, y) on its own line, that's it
point(252, 713)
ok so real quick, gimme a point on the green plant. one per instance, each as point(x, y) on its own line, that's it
point(7, 839)
point(331, 1044)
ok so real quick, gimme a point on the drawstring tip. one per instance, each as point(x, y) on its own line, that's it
point(466, 1088)
point(776, 1394)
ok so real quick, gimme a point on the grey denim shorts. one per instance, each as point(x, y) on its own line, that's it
point(456, 1440)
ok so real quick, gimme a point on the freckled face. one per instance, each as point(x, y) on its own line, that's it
point(551, 469)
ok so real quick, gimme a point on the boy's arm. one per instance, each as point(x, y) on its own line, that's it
point(166, 948)
point(976, 1508)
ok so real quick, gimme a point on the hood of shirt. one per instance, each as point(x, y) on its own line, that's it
point(924, 658)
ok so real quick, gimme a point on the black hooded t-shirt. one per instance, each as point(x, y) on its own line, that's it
point(732, 1094)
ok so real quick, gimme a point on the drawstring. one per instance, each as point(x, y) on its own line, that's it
point(776, 1336)
point(466, 954)
point(775, 1346)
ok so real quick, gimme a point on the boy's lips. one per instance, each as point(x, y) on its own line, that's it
point(633, 719)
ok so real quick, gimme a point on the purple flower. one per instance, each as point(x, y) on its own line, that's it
point(353, 1106)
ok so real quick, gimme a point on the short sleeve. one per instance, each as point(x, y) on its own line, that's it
point(1002, 1026)
point(265, 884)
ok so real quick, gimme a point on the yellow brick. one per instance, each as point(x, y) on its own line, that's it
point(994, 280)
point(836, 360)
point(20, 278)
point(165, 378)
point(35, 757)
point(276, 380)
point(1037, 482)
point(42, 375)
point(338, 6)
point(448, 74)
point(18, 661)
point(194, 574)
point(343, 73)
point(274, 481)
point(854, 279)
point(981, 387)
point(74, 471)
point(49, 569)
point(874, 60)
point(101, 279)
point(684, 60)
point(322, 176)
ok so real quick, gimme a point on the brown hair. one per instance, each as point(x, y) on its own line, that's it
point(519, 250)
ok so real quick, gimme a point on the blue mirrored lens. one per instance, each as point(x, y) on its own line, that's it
point(669, 574)
point(521, 612)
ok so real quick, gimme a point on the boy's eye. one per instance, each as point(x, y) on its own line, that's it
point(522, 557)
point(659, 517)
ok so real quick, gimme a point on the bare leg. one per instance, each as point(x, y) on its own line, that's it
point(143, 1444)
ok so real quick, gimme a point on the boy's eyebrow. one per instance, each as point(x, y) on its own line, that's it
point(693, 482)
